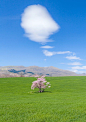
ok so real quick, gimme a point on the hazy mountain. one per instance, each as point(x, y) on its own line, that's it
point(17, 71)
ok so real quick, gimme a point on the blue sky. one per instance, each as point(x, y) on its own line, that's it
point(43, 33)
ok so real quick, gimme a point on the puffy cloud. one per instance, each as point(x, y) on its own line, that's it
point(75, 63)
point(73, 57)
point(47, 47)
point(38, 24)
point(48, 53)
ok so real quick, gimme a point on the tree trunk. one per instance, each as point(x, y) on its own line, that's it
point(40, 88)
point(43, 90)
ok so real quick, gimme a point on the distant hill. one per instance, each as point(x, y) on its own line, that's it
point(30, 71)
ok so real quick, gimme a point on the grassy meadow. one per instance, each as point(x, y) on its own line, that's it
point(65, 101)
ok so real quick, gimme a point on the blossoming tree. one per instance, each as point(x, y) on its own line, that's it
point(40, 83)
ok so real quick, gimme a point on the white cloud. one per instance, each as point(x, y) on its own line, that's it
point(48, 53)
point(63, 52)
point(78, 67)
point(78, 71)
point(74, 71)
point(47, 47)
point(75, 63)
point(38, 24)
point(73, 57)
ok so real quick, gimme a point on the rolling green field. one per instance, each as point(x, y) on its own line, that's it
point(65, 101)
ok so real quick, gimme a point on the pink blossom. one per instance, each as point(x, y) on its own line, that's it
point(40, 83)
point(43, 76)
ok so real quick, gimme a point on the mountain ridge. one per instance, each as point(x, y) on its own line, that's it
point(30, 71)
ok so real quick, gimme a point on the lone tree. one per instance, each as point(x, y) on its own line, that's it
point(40, 83)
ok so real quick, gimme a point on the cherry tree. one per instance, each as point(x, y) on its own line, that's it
point(40, 83)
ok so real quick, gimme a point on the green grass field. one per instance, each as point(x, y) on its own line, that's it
point(65, 101)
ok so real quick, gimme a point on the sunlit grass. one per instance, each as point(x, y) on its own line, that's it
point(65, 101)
